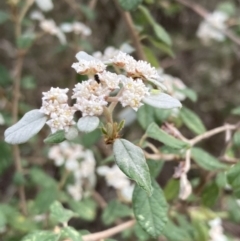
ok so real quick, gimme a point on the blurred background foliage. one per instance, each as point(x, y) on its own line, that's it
point(168, 36)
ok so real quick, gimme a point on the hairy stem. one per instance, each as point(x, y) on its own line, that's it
point(109, 232)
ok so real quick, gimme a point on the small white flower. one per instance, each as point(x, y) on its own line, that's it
point(114, 176)
point(49, 26)
point(134, 92)
point(122, 60)
point(37, 15)
point(110, 80)
point(44, 5)
point(212, 27)
point(91, 67)
point(75, 191)
point(71, 164)
point(77, 28)
point(126, 193)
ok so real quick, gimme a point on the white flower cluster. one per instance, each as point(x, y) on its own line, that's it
point(49, 26)
point(92, 95)
point(173, 85)
point(77, 28)
point(117, 179)
point(78, 161)
point(212, 27)
point(54, 104)
point(216, 230)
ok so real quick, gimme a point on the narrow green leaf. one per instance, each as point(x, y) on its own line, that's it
point(192, 121)
point(158, 134)
point(132, 162)
point(115, 210)
point(162, 34)
point(59, 213)
point(150, 211)
point(206, 161)
point(70, 233)
point(56, 137)
point(129, 5)
point(150, 56)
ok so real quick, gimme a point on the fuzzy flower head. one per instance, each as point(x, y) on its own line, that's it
point(54, 104)
point(133, 93)
point(91, 67)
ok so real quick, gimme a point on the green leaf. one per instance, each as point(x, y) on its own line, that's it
point(159, 31)
point(151, 58)
point(3, 219)
point(233, 209)
point(6, 157)
point(45, 198)
point(155, 167)
point(132, 162)
point(150, 211)
point(25, 41)
point(129, 5)
point(114, 211)
point(70, 233)
point(210, 194)
point(192, 121)
point(28, 82)
point(59, 213)
point(88, 123)
point(227, 7)
point(86, 208)
point(41, 236)
point(175, 233)
point(161, 46)
point(162, 34)
point(56, 137)
point(5, 77)
point(206, 161)
point(236, 111)
point(236, 139)
point(171, 190)
point(233, 176)
point(145, 115)
point(189, 93)
point(140, 233)
point(158, 134)
point(162, 101)
point(29, 125)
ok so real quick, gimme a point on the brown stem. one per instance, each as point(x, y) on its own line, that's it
point(132, 31)
point(99, 199)
point(212, 132)
point(109, 232)
point(204, 13)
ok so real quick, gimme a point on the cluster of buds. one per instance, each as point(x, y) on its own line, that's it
point(56, 107)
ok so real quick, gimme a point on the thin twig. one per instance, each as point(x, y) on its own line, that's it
point(132, 31)
point(204, 14)
point(109, 232)
point(99, 199)
point(160, 156)
point(212, 132)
